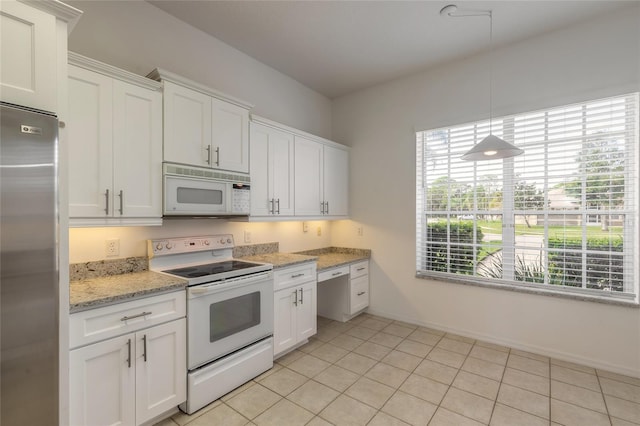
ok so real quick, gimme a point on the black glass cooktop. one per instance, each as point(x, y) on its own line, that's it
point(210, 269)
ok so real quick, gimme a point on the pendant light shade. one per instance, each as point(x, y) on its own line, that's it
point(492, 148)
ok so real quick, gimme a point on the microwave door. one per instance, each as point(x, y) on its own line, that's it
point(184, 196)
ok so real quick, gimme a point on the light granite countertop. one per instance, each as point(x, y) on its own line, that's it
point(280, 260)
point(95, 292)
point(327, 258)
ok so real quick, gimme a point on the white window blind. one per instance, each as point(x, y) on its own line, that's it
point(563, 216)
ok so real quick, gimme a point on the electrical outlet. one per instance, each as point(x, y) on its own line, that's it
point(247, 236)
point(319, 231)
point(305, 227)
point(360, 231)
point(112, 247)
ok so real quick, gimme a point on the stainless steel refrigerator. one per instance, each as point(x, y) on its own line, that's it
point(28, 267)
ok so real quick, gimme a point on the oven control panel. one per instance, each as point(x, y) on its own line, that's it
point(169, 246)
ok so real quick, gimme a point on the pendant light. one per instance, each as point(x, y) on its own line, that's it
point(491, 147)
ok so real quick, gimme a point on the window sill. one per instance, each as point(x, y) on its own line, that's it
point(607, 300)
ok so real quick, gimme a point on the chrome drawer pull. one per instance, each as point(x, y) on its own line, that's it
point(361, 293)
point(361, 269)
point(135, 316)
point(144, 343)
point(297, 275)
point(295, 297)
point(336, 273)
point(129, 353)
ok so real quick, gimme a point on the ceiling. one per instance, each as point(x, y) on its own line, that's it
point(338, 47)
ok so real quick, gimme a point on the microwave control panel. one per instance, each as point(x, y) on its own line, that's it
point(241, 199)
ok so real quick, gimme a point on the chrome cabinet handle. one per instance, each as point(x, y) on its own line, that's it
point(208, 148)
point(301, 297)
point(142, 314)
point(322, 207)
point(297, 275)
point(129, 353)
point(121, 195)
point(361, 269)
point(218, 156)
point(278, 204)
point(295, 297)
point(144, 347)
point(361, 293)
point(327, 211)
point(271, 208)
point(106, 197)
point(336, 274)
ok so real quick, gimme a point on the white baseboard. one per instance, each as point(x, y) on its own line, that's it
point(552, 353)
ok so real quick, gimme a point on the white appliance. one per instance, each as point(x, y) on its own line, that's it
point(195, 191)
point(229, 313)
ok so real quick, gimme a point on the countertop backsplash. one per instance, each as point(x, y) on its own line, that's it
point(107, 267)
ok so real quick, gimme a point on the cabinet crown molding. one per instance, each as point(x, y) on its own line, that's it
point(279, 126)
point(160, 74)
point(63, 11)
point(111, 71)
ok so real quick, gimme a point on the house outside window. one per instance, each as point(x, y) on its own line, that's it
point(562, 217)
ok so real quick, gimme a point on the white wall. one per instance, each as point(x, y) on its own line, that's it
point(87, 244)
point(138, 37)
point(591, 60)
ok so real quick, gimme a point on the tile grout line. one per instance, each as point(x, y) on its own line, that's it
point(495, 401)
point(606, 406)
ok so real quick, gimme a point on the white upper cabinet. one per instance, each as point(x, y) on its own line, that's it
point(309, 196)
point(187, 125)
point(321, 179)
point(203, 127)
point(271, 171)
point(32, 44)
point(115, 146)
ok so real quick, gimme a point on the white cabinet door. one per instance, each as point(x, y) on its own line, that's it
point(306, 311)
point(358, 294)
point(187, 126)
point(161, 374)
point(28, 41)
point(336, 181)
point(272, 179)
point(137, 151)
point(285, 317)
point(261, 198)
point(90, 144)
point(308, 197)
point(102, 383)
point(229, 136)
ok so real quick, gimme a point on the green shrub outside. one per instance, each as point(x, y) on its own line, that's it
point(460, 260)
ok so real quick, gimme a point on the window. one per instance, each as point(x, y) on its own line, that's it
point(563, 216)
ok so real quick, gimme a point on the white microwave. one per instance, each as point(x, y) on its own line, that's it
point(194, 191)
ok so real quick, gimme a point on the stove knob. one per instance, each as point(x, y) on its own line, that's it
point(229, 240)
point(159, 246)
point(206, 242)
point(169, 246)
point(222, 241)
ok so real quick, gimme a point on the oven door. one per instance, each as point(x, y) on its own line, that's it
point(186, 196)
point(229, 315)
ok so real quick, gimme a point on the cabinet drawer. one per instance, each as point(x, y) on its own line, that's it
point(114, 320)
point(333, 273)
point(294, 275)
point(359, 269)
point(359, 297)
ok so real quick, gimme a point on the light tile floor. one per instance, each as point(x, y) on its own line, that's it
point(375, 371)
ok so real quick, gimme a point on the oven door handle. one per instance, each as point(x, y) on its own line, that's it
point(203, 289)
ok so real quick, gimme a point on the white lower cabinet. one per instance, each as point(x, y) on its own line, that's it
point(128, 379)
point(344, 292)
point(295, 307)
